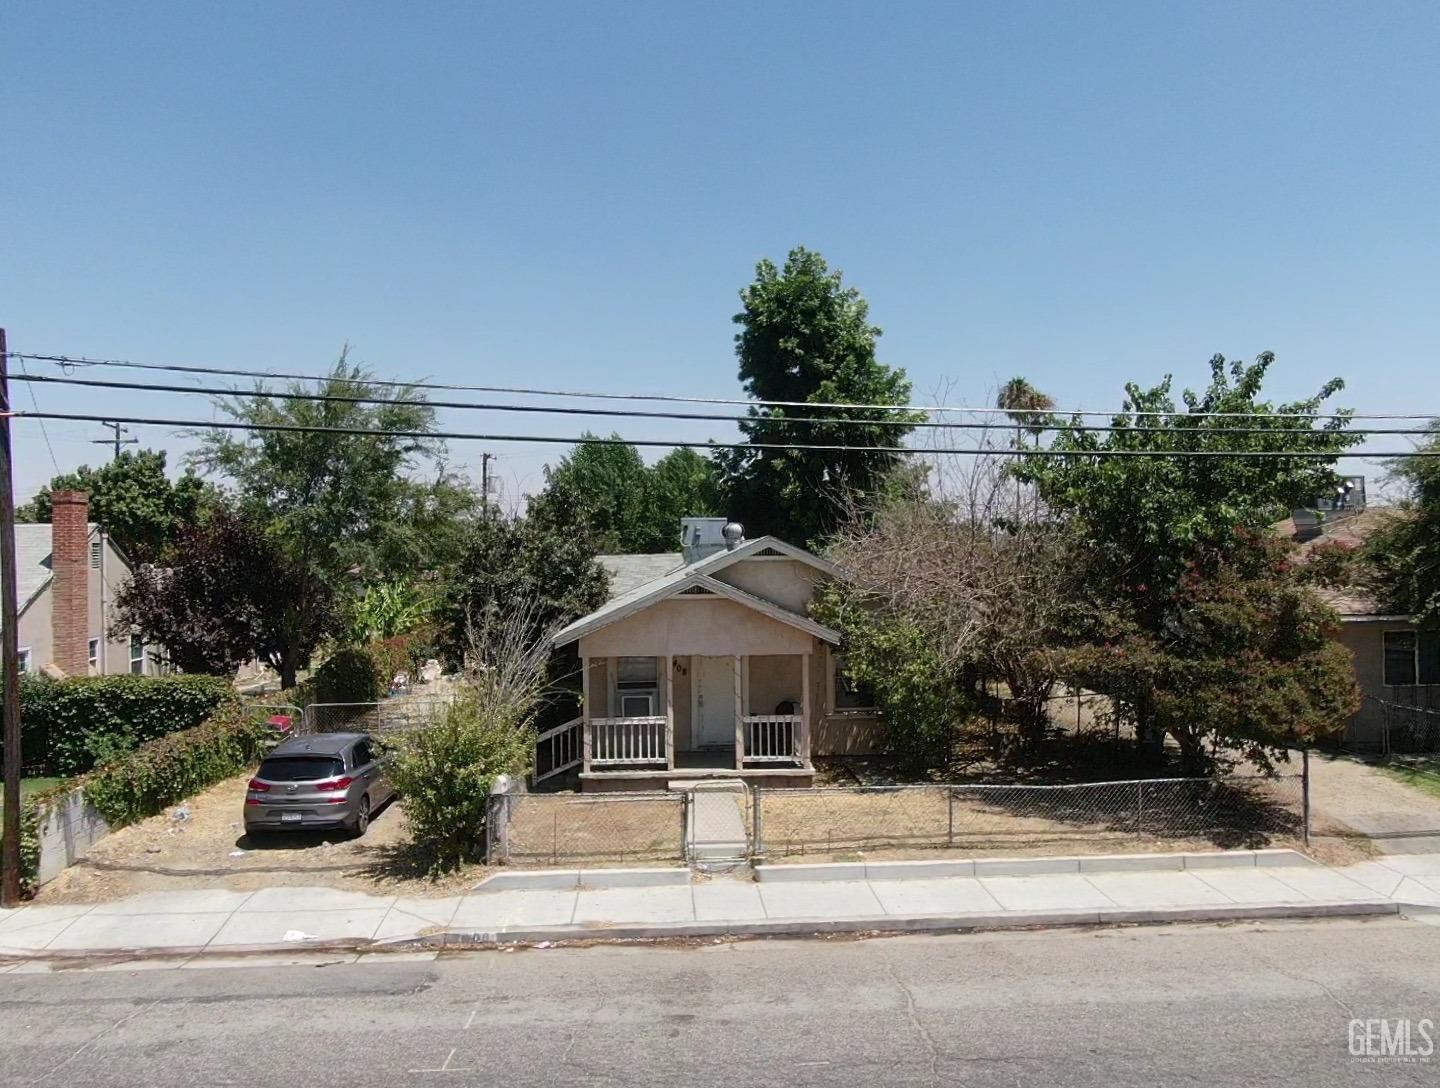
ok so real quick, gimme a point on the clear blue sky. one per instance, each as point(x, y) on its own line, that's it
point(573, 194)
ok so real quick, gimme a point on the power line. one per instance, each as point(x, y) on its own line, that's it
point(73, 361)
point(206, 424)
point(43, 431)
point(639, 413)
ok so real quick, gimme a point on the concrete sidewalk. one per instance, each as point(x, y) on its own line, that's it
point(517, 905)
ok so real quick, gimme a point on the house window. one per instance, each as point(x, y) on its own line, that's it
point(1412, 657)
point(850, 694)
point(637, 682)
point(137, 655)
point(24, 662)
point(94, 654)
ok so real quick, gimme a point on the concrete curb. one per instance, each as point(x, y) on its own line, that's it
point(567, 879)
point(922, 923)
point(1041, 866)
point(782, 927)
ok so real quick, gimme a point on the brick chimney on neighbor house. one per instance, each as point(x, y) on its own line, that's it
point(70, 587)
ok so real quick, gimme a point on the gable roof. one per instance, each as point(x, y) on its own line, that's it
point(34, 545)
point(697, 575)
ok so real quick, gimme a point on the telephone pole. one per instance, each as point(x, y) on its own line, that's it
point(485, 459)
point(9, 651)
point(117, 441)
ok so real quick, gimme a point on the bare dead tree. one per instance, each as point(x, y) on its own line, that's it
point(974, 559)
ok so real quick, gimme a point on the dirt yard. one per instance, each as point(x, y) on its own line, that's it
point(209, 849)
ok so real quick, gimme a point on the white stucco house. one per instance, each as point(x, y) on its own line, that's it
point(708, 662)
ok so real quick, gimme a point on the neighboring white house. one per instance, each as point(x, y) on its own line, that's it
point(67, 574)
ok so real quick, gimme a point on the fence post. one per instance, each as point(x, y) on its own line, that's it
point(950, 815)
point(1305, 795)
point(1139, 803)
point(759, 848)
point(687, 798)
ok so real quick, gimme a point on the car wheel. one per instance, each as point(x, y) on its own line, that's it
point(362, 816)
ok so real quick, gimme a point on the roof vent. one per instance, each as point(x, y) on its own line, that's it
point(734, 534)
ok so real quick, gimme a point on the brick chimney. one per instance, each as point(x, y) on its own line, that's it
point(70, 589)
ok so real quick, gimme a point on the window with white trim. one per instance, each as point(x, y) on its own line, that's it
point(637, 686)
point(137, 655)
point(24, 660)
point(94, 653)
point(1411, 657)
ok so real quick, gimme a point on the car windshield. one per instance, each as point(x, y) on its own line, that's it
point(300, 768)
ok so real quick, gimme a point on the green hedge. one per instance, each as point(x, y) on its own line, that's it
point(70, 726)
point(165, 771)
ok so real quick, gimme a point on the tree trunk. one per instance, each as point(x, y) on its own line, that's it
point(289, 666)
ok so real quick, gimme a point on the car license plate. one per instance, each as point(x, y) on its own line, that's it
point(289, 817)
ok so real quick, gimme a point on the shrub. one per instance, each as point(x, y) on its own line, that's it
point(162, 772)
point(70, 726)
point(445, 773)
point(362, 674)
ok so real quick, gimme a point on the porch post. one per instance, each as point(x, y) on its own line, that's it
point(804, 739)
point(669, 713)
point(739, 717)
point(585, 714)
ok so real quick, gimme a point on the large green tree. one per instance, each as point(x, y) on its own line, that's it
point(1172, 510)
point(339, 500)
point(604, 490)
point(806, 337)
point(1403, 556)
point(133, 499)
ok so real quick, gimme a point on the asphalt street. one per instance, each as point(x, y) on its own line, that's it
point(1242, 1004)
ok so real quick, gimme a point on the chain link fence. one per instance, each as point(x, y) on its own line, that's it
point(397, 715)
point(553, 828)
point(1403, 729)
point(1233, 811)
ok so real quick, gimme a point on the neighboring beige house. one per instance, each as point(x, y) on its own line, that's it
point(1396, 663)
point(707, 662)
point(67, 574)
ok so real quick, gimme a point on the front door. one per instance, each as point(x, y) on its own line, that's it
point(713, 685)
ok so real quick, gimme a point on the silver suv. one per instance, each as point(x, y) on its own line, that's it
point(324, 782)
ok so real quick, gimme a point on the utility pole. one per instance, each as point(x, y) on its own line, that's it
point(9, 650)
point(485, 459)
point(117, 441)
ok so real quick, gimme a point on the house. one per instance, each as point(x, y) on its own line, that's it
point(706, 664)
point(1396, 663)
point(67, 574)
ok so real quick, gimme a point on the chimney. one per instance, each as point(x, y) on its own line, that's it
point(70, 589)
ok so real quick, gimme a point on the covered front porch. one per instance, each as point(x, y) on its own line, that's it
point(700, 714)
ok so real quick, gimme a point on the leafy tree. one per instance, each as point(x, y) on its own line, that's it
point(333, 504)
point(1182, 590)
point(805, 337)
point(605, 491)
point(1246, 660)
point(133, 499)
point(680, 484)
point(226, 593)
point(600, 487)
point(385, 610)
point(1403, 555)
point(523, 559)
point(1150, 516)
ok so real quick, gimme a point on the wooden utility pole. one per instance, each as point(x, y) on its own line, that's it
point(117, 441)
point(9, 649)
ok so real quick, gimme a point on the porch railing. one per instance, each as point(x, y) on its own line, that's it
point(630, 741)
point(772, 738)
point(559, 749)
